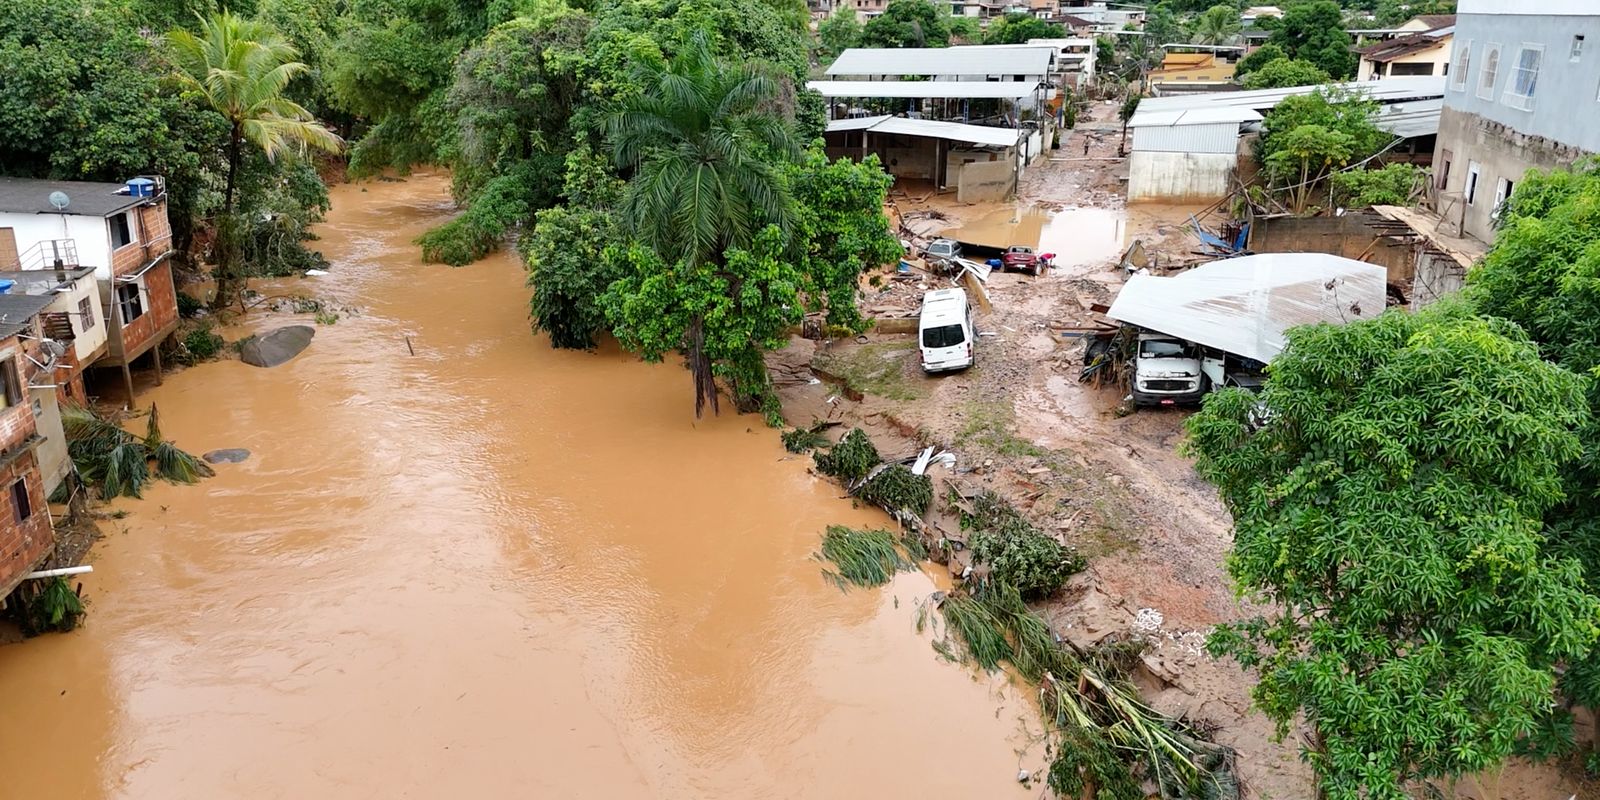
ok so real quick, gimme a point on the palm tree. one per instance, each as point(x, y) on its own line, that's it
point(240, 68)
point(1218, 25)
point(704, 138)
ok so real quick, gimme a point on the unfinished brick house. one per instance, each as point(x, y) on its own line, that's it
point(118, 229)
point(26, 534)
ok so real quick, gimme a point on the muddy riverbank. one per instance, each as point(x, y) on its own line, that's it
point(489, 568)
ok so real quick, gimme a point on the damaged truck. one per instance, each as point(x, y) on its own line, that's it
point(1221, 323)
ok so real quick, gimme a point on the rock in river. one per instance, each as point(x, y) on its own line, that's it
point(272, 349)
point(231, 455)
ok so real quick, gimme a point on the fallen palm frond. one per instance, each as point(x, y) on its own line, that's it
point(851, 459)
point(896, 488)
point(802, 440)
point(864, 558)
point(117, 462)
point(1112, 741)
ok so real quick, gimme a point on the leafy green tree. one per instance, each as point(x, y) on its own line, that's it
point(1389, 511)
point(838, 33)
point(704, 143)
point(1161, 27)
point(1285, 72)
point(1018, 28)
point(965, 30)
point(840, 230)
point(566, 252)
point(239, 69)
point(1219, 24)
point(1313, 30)
point(1264, 55)
point(1129, 107)
point(1392, 185)
point(1304, 157)
point(908, 23)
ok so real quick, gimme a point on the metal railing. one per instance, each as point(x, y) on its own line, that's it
point(50, 254)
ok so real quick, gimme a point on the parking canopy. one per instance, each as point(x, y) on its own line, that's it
point(1243, 305)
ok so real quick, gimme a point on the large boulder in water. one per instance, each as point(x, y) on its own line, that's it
point(227, 455)
point(272, 349)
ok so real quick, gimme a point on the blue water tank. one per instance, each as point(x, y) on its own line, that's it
point(5, 286)
point(141, 187)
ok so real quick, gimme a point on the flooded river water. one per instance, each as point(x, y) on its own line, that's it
point(489, 569)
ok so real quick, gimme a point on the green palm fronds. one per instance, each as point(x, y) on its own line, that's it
point(117, 462)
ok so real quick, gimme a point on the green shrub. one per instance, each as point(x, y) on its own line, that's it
point(1017, 551)
point(849, 460)
point(801, 440)
point(895, 488)
point(188, 306)
point(200, 344)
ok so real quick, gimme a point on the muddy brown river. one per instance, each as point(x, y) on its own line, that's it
point(489, 569)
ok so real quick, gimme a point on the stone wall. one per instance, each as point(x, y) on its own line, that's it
point(986, 181)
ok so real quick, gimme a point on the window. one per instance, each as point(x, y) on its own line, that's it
point(1502, 193)
point(19, 500)
point(130, 300)
point(1491, 66)
point(1577, 48)
point(1524, 78)
point(85, 314)
point(943, 336)
point(10, 383)
point(1458, 73)
point(1471, 189)
point(121, 235)
point(1420, 68)
point(1444, 170)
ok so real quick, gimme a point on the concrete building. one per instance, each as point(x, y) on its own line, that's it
point(1523, 93)
point(26, 534)
point(1426, 53)
point(120, 230)
point(1194, 68)
point(1186, 147)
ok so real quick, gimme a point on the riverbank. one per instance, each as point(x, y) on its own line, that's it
point(488, 568)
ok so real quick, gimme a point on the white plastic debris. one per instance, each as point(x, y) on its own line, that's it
point(1148, 620)
point(922, 462)
point(316, 273)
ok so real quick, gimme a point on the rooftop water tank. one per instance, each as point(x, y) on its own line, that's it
point(141, 187)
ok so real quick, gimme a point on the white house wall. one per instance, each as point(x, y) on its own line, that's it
point(90, 234)
point(1179, 177)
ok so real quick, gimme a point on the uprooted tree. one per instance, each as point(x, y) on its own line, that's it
point(1391, 507)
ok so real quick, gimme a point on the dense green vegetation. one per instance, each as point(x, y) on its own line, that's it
point(1420, 506)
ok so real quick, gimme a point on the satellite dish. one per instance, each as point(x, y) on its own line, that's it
point(59, 200)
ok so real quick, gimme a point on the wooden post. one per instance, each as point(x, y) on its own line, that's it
point(127, 381)
point(156, 353)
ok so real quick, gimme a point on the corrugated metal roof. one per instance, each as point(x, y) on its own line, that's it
point(952, 131)
point(1005, 90)
point(1388, 90)
point(967, 60)
point(1411, 119)
point(855, 123)
point(1194, 116)
point(1243, 305)
point(16, 310)
point(1216, 137)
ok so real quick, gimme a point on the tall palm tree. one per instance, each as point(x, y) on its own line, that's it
point(1217, 25)
point(703, 137)
point(240, 68)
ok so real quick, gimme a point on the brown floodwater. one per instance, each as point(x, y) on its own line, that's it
point(489, 569)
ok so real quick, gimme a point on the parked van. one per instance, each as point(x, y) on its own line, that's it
point(945, 330)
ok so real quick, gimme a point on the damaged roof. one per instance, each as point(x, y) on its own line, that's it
point(17, 310)
point(1243, 305)
point(1384, 52)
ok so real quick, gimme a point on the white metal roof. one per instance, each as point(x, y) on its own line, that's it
point(1388, 90)
point(953, 131)
point(1243, 305)
point(1006, 90)
point(1194, 116)
point(1411, 118)
point(967, 60)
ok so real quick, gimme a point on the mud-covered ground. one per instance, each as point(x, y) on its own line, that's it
point(1116, 487)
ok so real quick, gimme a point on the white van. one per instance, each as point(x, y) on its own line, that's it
point(945, 330)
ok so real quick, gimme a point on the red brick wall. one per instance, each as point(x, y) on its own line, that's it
point(22, 545)
point(154, 233)
point(160, 310)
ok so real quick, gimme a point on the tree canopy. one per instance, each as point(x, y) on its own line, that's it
point(1018, 28)
point(1285, 72)
point(908, 23)
point(1313, 30)
point(1391, 508)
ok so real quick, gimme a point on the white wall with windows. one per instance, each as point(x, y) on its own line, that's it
point(1538, 73)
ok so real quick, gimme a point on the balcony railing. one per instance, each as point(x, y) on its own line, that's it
point(50, 254)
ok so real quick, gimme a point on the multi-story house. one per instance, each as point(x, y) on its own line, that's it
point(1523, 92)
point(1412, 54)
point(120, 230)
point(26, 535)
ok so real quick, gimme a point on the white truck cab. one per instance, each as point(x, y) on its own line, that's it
point(1166, 371)
point(944, 331)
